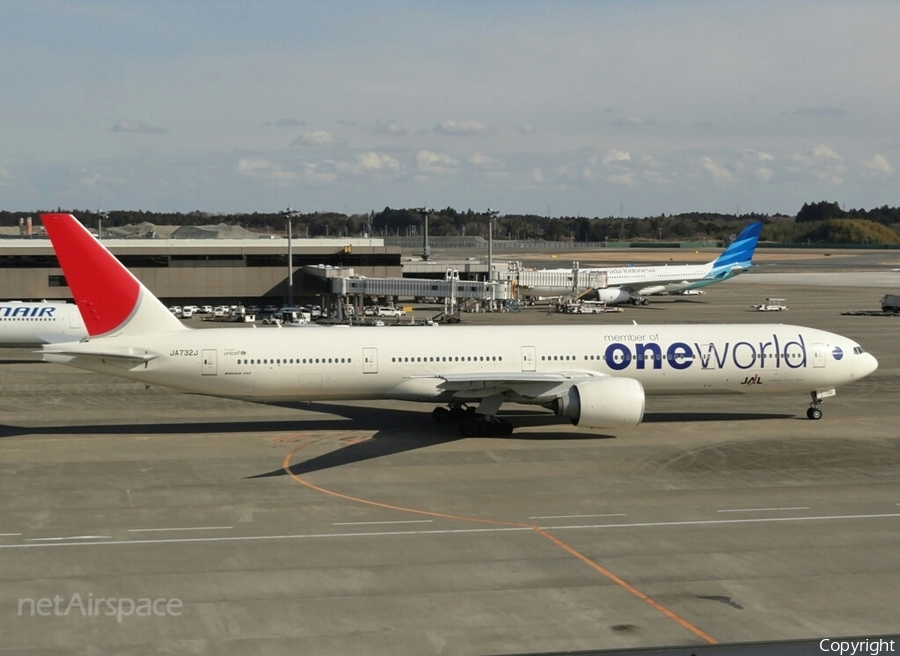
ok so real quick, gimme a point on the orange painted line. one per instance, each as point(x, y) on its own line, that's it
point(630, 588)
point(286, 464)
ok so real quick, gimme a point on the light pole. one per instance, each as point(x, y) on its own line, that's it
point(490, 277)
point(100, 216)
point(288, 214)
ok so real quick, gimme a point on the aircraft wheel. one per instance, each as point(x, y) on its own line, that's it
point(441, 415)
point(457, 412)
point(814, 413)
point(504, 428)
point(470, 427)
point(645, 302)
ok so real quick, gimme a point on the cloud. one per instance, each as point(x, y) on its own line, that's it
point(878, 164)
point(461, 128)
point(763, 174)
point(431, 162)
point(756, 155)
point(378, 163)
point(391, 127)
point(823, 164)
point(718, 172)
point(824, 152)
point(537, 175)
point(616, 156)
point(572, 172)
point(819, 112)
point(484, 162)
point(284, 123)
point(623, 179)
point(632, 120)
point(265, 170)
point(526, 129)
point(317, 138)
point(316, 175)
point(138, 128)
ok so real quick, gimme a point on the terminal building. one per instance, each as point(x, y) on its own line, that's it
point(255, 271)
point(183, 271)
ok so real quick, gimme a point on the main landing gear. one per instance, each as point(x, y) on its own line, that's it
point(813, 412)
point(472, 424)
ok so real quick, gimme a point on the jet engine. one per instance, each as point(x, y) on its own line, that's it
point(613, 295)
point(602, 403)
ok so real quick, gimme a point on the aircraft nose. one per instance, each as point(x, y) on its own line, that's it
point(869, 364)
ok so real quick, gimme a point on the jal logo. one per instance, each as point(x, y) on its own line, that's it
point(752, 380)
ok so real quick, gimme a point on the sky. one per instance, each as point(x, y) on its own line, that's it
point(556, 107)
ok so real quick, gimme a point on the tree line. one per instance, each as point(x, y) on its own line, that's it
point(818, 222)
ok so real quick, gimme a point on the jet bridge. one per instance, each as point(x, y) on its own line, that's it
point(574, 282)
point(410, 287)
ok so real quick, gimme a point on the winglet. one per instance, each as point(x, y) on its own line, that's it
point(111, 300)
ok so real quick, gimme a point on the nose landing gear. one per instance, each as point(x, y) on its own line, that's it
point(814, 412)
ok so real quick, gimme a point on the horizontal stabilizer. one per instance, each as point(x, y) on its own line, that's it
point(123, 355)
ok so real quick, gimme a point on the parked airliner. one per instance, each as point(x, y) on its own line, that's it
point(32, 324)
point(632, 284)
point(596, 376)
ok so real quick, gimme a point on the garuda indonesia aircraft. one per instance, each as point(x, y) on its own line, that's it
point(24, 323)
point(595, 376)
point(632, 284)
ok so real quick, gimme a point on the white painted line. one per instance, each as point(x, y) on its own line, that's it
point(181, 528)
point(2, 535)
point(575, 516)
point(762, 509)
point(755, 520)
point(70, 537)
point(493, 529)
point(399, 521)
point(245, 538)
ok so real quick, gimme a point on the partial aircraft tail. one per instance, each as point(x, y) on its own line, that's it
point(740, 252)
point(111, 300)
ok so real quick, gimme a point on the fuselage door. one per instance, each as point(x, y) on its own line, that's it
point(818, 351)
point(528, 358)
point(208, 365)
point(370, 360)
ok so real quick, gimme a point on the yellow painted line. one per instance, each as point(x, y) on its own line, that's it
point(286, 464)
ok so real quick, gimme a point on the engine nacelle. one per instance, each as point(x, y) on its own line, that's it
point(613, 295)
point(603, 403)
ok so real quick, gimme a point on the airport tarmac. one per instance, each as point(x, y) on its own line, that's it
point(366, 528)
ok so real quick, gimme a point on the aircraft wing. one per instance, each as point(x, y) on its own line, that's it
point(525, 384)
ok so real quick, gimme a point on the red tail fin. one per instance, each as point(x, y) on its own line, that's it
point(107, 294)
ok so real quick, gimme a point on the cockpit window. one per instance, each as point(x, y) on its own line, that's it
point(858, 350)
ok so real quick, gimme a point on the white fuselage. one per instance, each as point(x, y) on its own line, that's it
point(643, 280)
point(335, 363)
point(35, 323)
